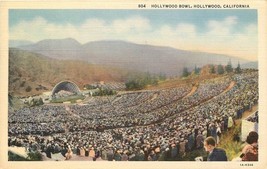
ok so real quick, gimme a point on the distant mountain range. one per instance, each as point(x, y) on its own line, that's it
point(127, 55)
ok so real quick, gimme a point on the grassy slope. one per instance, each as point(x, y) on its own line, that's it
point(192, 79)
point(231, 147)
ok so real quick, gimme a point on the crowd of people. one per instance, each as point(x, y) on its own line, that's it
point(63, 93)
point(254, 118)
point(148, 125)
point(43, 120)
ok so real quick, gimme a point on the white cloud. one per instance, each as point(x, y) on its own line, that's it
point(221, 28)
point(186, 30)
point(92, 29)
point(223, 37)
point(180, 36)
point(132, 24)
point(39, 29)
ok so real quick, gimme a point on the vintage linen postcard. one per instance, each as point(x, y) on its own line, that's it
point(133, 84)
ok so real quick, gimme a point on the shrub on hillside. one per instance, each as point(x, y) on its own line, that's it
point(34, 156)
point(28, 89)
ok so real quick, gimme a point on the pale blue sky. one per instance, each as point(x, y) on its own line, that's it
point(220, 31)
point(156, 17)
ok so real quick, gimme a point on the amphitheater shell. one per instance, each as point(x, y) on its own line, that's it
point(66, 86)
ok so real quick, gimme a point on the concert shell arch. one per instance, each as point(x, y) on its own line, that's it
point(67, 86)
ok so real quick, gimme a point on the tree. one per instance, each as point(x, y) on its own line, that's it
point(238, 68)
point(229, 67)
point(212, 69)
point(39, 102)
point(154, 81)
point(28, 89)
point(22, 84)
point(140, 81)
point(89, 87)
point(220, 69)
point(185, 72)
point(35, 102)
point(197, 70)
point(34, 156)
point(162, 76)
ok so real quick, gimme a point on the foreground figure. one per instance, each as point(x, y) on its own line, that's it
point(215, 154)
point(250, 151)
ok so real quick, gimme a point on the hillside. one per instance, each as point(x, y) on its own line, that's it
point(252, 65)
point(57, 48)
point(121, 54)
point(31, 73)
point(191, 79)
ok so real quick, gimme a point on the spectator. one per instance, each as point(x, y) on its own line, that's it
point(124, 156)
point(82, 151)
point(215, 154)
point(200, 140)
point(110, 154)
point(250, 151)
point(69, 153)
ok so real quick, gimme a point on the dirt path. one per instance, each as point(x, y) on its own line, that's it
point(191, 92)
point(232, 84)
